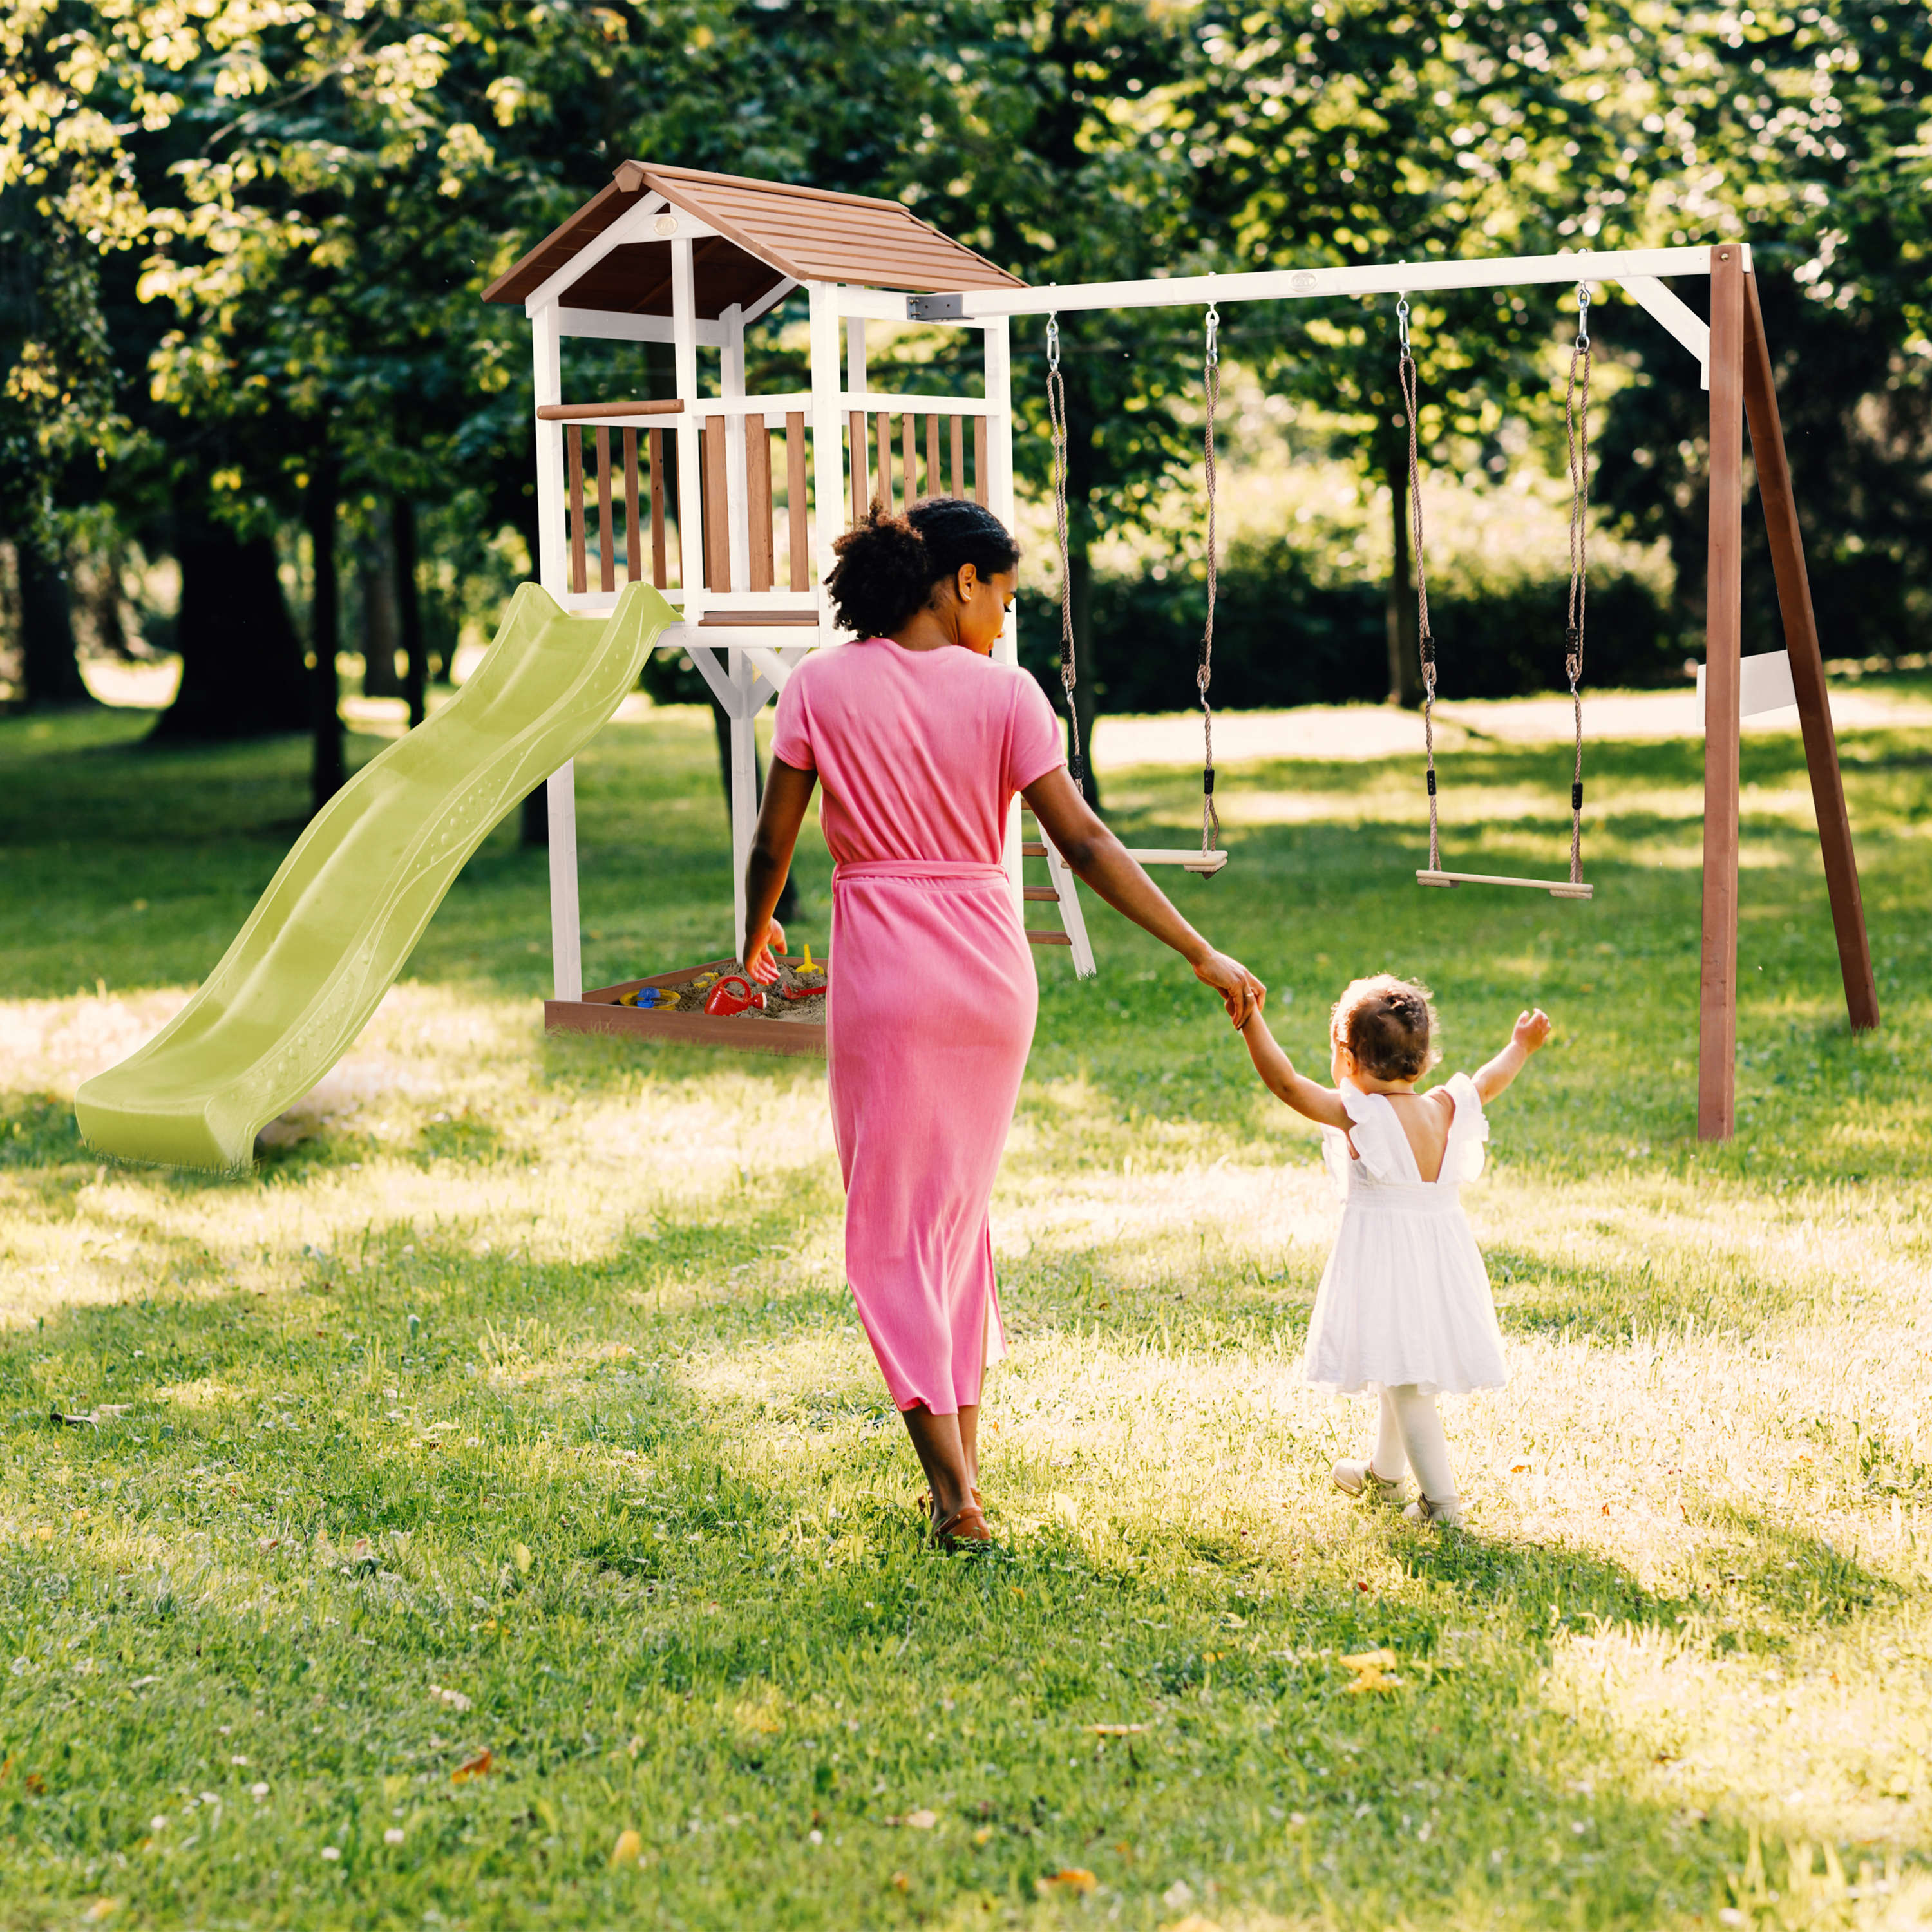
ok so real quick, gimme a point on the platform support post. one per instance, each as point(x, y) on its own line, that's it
point(566, 933)
point(1779, 505)
point(1718, 977)
point(744, 800)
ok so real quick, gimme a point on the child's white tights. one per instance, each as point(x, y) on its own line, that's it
point(1410, 1437)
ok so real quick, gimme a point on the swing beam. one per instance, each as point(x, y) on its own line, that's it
point(1736, 368)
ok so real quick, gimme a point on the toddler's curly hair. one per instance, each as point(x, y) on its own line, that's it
point(1389, 1025)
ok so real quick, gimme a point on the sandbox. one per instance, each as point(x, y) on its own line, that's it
point(783, 1026)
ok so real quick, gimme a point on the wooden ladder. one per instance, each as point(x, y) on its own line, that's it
point(1065, 895)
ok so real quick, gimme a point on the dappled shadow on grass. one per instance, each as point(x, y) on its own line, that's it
point(1791, 1579)
point(1611, 1304)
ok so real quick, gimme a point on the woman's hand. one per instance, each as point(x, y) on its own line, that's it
point(758, 952)
point(1241, 993)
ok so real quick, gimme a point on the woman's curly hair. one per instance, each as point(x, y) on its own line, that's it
point(888, 564)
point(1388, 1024)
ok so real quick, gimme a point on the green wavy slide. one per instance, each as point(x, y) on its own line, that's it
point(343, 914)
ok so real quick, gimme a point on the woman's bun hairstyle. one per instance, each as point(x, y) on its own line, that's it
point(888, 564)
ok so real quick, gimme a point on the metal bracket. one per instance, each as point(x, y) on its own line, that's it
point(947, 308)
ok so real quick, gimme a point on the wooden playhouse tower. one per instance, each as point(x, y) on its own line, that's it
point(760, 484)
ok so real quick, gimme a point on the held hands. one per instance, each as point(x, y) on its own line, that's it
point(758, 953)
point(1241, 993)
point(1532, 1029)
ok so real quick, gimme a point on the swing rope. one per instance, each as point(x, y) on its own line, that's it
point(1056, 416)
point(1210, 819)
point(1405, 376)
point(1576, 422)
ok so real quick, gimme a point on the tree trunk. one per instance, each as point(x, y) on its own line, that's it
point(409, 610)
point(242, 661)
point(787, 908)
point(1405, 663)
point(50, 670)
point(376, 584)
point(326, 771)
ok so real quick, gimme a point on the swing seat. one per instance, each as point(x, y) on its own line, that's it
point(1206, 864)
point(1557, 888)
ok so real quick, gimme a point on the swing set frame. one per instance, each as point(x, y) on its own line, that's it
point(1736, 362)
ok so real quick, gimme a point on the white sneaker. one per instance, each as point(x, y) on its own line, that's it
point(1425, 1509)
point(1352, 1479)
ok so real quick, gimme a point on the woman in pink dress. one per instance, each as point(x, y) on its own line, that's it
point(921, 741)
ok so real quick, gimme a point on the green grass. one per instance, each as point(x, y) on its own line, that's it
point(516, 1404)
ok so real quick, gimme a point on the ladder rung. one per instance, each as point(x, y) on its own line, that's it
point(1041, 893)
point(1039, 936)
point(1031, 848)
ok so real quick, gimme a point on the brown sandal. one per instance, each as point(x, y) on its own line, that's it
point(966, 1525)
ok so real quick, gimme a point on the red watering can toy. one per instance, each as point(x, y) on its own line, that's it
point(722, 1001)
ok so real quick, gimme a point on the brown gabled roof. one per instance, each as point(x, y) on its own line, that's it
point(768, 232)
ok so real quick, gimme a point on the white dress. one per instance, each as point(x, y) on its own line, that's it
point(1405, 1297)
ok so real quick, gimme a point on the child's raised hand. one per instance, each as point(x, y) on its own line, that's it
point(1532, 1029)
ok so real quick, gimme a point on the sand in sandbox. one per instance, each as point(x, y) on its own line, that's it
point(777, 1008)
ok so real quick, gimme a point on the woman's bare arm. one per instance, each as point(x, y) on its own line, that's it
point(1101, 860)
point(1321, 1104)
point(787, 792)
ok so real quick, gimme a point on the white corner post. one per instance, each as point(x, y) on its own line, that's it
point(737, 485)
point(999, 500)
point(690, 489)
point(553, 566)
point(744, 787)
point(828, 470)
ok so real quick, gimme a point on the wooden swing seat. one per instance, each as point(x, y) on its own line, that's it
point(1557, 888)
point(1205, 864)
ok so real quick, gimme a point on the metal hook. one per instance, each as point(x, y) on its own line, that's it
point(1053, 339)
point(1582, 315)
point(1213, 324)
point(1401, 320)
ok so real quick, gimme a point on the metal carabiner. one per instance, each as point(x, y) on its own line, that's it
point(1401, 320)
point(1053, 340)
point(1213, 324)
point(1582, 315)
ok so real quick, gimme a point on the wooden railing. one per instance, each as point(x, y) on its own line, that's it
point(638, 469)
point(873, 483)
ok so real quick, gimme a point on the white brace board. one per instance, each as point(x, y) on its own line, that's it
point(1764, 684)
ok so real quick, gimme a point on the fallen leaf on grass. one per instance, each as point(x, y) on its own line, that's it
point(36, 1784)
point(101, 1908)
point(455, 1699)
point(629, 1846)
point(1074, 1878)
point(520, 1554)
point(1117, 1730)
point(921, 1820)
point(481, 1766)
point(1371, 1668)
point(901, 1882)
point(1194, 1922)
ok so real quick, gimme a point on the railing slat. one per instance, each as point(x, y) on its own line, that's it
point(606, 555)
point(883, 494)
point(660, 569)
point(634, 555)
point(959, 456)
point(573, 451)
point(717, 509)
point(909, 431)
point(861, 468)
point(935, 483)
point(979, 461)
point(800, 542)
point(758, 501)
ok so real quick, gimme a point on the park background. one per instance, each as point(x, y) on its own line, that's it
point(487, 1513)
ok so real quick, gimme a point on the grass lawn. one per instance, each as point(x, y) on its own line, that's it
point(494, 1518)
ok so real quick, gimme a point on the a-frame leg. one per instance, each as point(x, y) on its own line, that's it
point(1717, 966)
point(1807, 668)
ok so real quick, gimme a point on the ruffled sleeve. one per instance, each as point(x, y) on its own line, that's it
point(1462, 1158)
point(1381, 1145)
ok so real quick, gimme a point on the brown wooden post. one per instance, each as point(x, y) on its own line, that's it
point(909, 431)
point(799, 541)
point(1718, 977)
point(959, 453)
point(1807, 667)
point(861, 467)
point(606, 555)
point(979, 461)
point(883, 494)
point(935, 483)
point(660, 564)
point(758, 499)
point(573, 451)
point(633, 554)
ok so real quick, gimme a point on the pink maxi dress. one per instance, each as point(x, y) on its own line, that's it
point(933, 998)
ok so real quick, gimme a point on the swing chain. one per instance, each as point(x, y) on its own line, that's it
point(1210, 819)
point(1576, 424)
point(1405, 378)
point(1056, 413)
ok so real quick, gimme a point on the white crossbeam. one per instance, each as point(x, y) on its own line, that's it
point(1611, 265)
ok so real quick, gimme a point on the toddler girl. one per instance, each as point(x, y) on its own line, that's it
point(1405, 1301)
